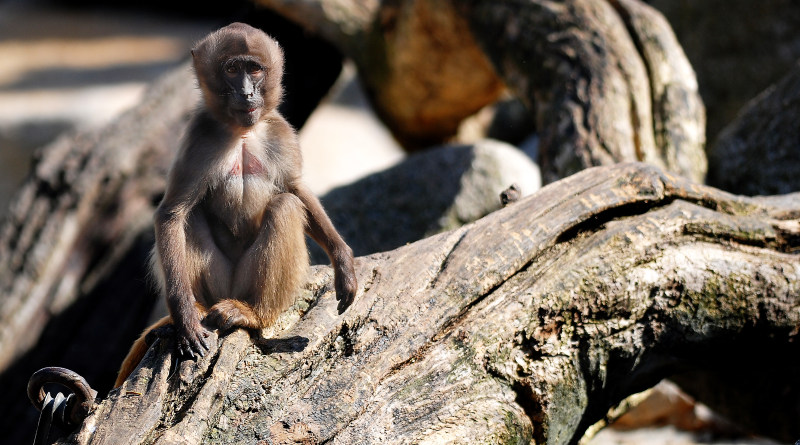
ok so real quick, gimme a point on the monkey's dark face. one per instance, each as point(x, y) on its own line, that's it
point(239, 68)
point(244, 80)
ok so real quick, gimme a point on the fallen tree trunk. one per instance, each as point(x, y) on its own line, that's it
point(88, 198)
point(526, 326)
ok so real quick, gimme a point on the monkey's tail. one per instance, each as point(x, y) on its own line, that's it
point(137, 352)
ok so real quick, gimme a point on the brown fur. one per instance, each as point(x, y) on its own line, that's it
point(230, 243)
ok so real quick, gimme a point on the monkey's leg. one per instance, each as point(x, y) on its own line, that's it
point(215, 270)
point(271, 271)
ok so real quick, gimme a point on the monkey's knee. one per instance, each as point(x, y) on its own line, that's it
point(287, 211)
point(290, 255)
point(286, 226)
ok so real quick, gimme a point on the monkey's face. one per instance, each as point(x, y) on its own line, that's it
point(244, 85)
point(239, 69)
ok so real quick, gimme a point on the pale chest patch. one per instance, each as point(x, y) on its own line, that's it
point(243, 162)
point(245, 187)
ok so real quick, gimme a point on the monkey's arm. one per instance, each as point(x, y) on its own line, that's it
point(171, 248)
point(320, 228)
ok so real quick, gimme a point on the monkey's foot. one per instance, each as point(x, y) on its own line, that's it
point(232, 313)
point(163, 332)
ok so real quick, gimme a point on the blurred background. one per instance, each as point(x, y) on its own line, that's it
point(73, 65)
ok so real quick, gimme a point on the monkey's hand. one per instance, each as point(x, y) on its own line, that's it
point(345, 283)
point(191, 338)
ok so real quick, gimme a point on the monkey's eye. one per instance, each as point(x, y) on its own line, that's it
point(254, 68)
point(231, 69)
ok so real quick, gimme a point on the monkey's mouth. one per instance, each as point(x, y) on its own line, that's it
point(250, 111)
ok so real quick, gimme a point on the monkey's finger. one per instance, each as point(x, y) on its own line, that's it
point(202, 340)
point(198, 346)
point(189, 347)
point(199, 342)
point(185, 350)
point(345, 299)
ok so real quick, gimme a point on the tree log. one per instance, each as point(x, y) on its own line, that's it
point(526, 326)
point(87, 200)
point(608, 80)
point(734, 63)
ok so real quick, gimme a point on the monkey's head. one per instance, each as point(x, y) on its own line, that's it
point(239, 69)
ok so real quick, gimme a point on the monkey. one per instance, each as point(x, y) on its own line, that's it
point(230, 230)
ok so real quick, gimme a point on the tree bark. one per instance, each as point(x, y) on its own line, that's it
point(526, 326)
point(89, 197)
point(74, 248)
point(734, 63)
point(608, 80)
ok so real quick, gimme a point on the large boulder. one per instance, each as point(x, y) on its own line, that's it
point(427, 193)
point(759, 152)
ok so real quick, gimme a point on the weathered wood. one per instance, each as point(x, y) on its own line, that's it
point(737, 49)
point(527, 325)
point(608, 80)
point(74, 244)
point(89, 197)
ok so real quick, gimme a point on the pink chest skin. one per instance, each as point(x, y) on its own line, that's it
point(245, 163)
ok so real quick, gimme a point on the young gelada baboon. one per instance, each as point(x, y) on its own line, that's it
point(230, 245)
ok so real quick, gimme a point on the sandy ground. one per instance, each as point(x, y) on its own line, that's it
point(61, 70)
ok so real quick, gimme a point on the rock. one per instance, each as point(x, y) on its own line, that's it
point(427, 193)
point(507, 120)
point(759, 152)
point(666, 404)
